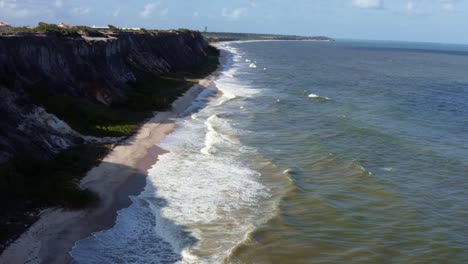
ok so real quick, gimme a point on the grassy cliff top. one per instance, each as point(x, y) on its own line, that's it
point(44, 28)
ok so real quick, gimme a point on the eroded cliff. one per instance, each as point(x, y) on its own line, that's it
point(98, 70)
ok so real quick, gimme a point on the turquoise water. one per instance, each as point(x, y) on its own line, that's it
point(345, 152)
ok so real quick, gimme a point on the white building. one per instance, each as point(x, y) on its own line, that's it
point(4, 25)
point(63, 25)
point(98, 27)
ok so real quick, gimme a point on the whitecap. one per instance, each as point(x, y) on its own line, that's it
point(317, 96)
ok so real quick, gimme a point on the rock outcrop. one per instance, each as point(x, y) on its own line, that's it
point(97, 69)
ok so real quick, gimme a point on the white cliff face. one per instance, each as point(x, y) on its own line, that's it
point(28, 127)
point(34, 124)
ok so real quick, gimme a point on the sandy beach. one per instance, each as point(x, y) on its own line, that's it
point(121, 173)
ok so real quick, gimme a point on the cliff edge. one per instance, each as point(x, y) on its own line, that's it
point(99, 70)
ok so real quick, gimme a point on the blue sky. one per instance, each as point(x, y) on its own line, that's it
point(410, 20)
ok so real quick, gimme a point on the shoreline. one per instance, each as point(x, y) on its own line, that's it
point(50, 239)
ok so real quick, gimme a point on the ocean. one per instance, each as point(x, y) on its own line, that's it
point(337, 152)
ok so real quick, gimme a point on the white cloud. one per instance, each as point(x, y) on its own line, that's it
point(148, 10)
point(233, 14)
point(80, 11)
point(10, 8)
point(58, 3)
point(414, 8)
point(151, 8)
point(196, 13)
point(448, 5)
point(368, 4)
point(116, 12)
point(410, 7)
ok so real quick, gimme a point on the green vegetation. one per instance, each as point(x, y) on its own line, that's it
point(149, 93)
point(87, 117)
point(54, 29)
point(208, 66)
point(27, 184)
point(52, 182)
point(113, 28)
point(8, 81)
point(224, 36)
point(75, 31)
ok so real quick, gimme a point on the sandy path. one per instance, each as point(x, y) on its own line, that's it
point(120, 174)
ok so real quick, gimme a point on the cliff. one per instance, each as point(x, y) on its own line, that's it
point(96, 69)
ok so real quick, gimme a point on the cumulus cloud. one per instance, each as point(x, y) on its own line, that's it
point(448, 5)
point(233, 14)
point(10, 8)
point(414, 8)
point(410, 7)
point(368, 4)
point(151, 8)
point(58, 3)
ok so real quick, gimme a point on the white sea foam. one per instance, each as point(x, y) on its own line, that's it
point(201, 198)
point(219, 133)
point(252, 65)
point(232, 89)
point(387, 169)
point(317, 96)
point(200, 101)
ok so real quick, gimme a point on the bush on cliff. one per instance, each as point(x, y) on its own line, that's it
point(87, 117)
point(89, 31)
point(56, 30)
point(28, 184)
point(149, 93)
point(113, 28)
point(50, 183)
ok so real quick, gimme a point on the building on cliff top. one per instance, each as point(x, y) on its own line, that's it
point(63, 25)
point(100, 27)
point(4, 25)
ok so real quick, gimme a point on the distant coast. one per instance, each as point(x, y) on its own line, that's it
point(227, 37)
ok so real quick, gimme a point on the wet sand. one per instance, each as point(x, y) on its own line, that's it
point(120, 174)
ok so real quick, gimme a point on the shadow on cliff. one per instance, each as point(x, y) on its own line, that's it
point(144, 233)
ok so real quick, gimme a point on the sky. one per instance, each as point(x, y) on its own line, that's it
point(443, 21)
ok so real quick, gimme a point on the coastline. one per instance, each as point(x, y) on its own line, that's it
point(50, 239)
